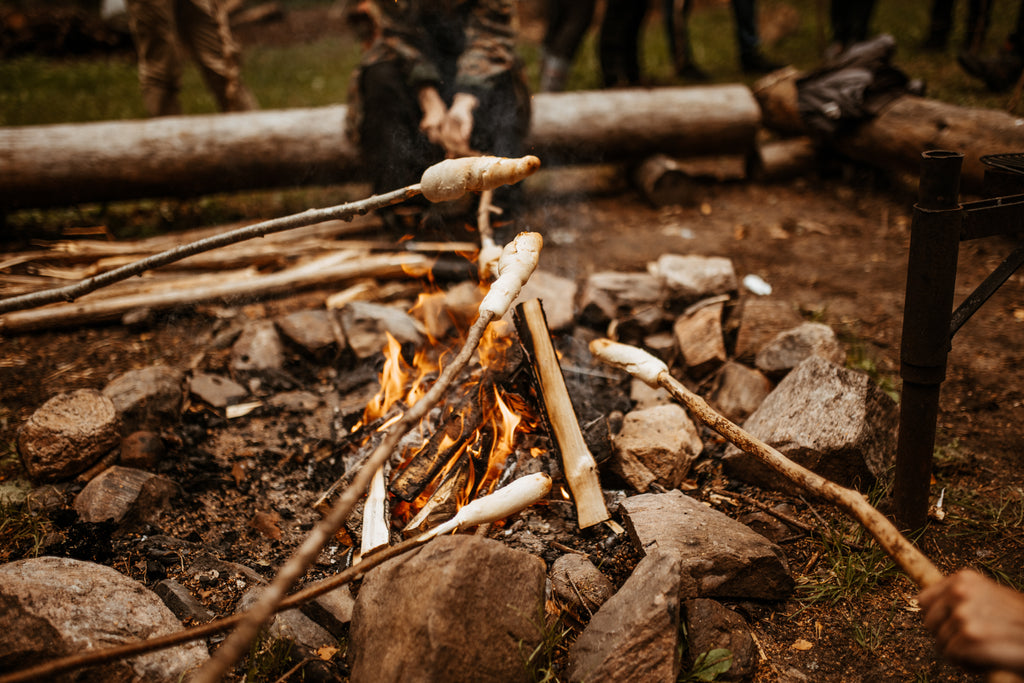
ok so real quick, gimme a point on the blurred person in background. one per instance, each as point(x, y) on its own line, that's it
point(567, 24)
point(1002, 70)
point(437, 78)
point(979, 14)
point(162, 29)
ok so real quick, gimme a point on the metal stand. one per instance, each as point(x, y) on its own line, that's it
point(939, 224)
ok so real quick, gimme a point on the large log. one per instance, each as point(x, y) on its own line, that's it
point(905, 128)
point(187, 156)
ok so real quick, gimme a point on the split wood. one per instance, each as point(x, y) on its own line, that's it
point(517, 263)
point(578, 463)
point(654, 372)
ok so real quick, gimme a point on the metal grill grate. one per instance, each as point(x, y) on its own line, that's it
point(1009, 163)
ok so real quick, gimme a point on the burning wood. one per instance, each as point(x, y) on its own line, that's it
point(578, 464)
point(515, 267)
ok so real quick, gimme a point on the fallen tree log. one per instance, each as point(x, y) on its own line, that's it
point(187, 156)
point(904, 129)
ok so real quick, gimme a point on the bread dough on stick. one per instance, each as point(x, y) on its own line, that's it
point(452, 178)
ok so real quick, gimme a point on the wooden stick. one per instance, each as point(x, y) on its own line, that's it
point(578, 464)
point(517, 264)
point(654, 372)
point(505, 502)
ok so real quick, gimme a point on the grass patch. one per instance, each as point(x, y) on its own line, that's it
point(21, 532)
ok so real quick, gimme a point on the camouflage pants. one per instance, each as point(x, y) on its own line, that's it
point(162, 28)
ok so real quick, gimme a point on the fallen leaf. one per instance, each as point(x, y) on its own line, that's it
point(266, 524)
point(801, 645)
point(327, 652)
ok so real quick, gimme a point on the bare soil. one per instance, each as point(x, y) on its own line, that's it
point(834, 246)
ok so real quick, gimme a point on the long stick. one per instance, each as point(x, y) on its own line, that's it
point(504, 502)
point(517, 264)
point(654, 372)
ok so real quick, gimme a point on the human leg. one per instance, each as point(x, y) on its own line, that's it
point(619, 42)
point(568, 22)
point(204, 29)
point(152, 24)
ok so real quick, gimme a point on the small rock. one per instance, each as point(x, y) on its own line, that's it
point(367, 324)
point(258, 350)
point(180, 601)
point(147, 397)
point(657, 444)
point(295, 401)
point(759, 321)
point(426, 614)
point(827, 418)
point(691, 278)
point(700, 340)
point(634, 637)
point(711, 626)
point(579, 584)
point(332, 610)
point(122, 494)
point(142, 450)
point(719, 557)
point(643, 395)
point(557, 295)
point(789, 348)
point(67, 434)
point(218, 391)
point(290, 625)
point(310, 330)
point(611, 296)
point(53, 607)
point(737, 391)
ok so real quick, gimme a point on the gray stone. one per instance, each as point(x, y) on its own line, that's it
point(557, 295)
point(51, 607)
point(789, 348)
point(461, 609)
point(643, 395)
point(67, 434)
point(180, 601)
point(691, 278)
point(147, 397)
point(759, 321)
point(258, 349)
point(142, 450)
point(608, 296)
point(291, 625)
point(657, 444)
point(578, 583)
point(310, 330)
point(218, 391)
point(366, 326)
point(719, 557)
point(711, 626)
point(634, 637)
point(827, 418)
point(737, 391)
point(123, 494)
point(295, 401)
point(332, 610)
point(700, 340)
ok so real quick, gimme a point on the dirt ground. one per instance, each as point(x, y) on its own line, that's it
point(834, 246)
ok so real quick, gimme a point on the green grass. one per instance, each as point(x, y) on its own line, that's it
point(35, 90)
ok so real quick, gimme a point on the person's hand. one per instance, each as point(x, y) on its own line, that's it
point(976, 621)
point(458, 125)
point(434, 114)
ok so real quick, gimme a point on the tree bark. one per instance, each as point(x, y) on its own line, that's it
point(904, 129)
point(186, 156)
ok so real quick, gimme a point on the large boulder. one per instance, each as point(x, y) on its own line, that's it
point(51, 607)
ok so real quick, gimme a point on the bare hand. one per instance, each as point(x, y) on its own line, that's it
point(458, 125)
point(976, 621)
point(434, 114)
